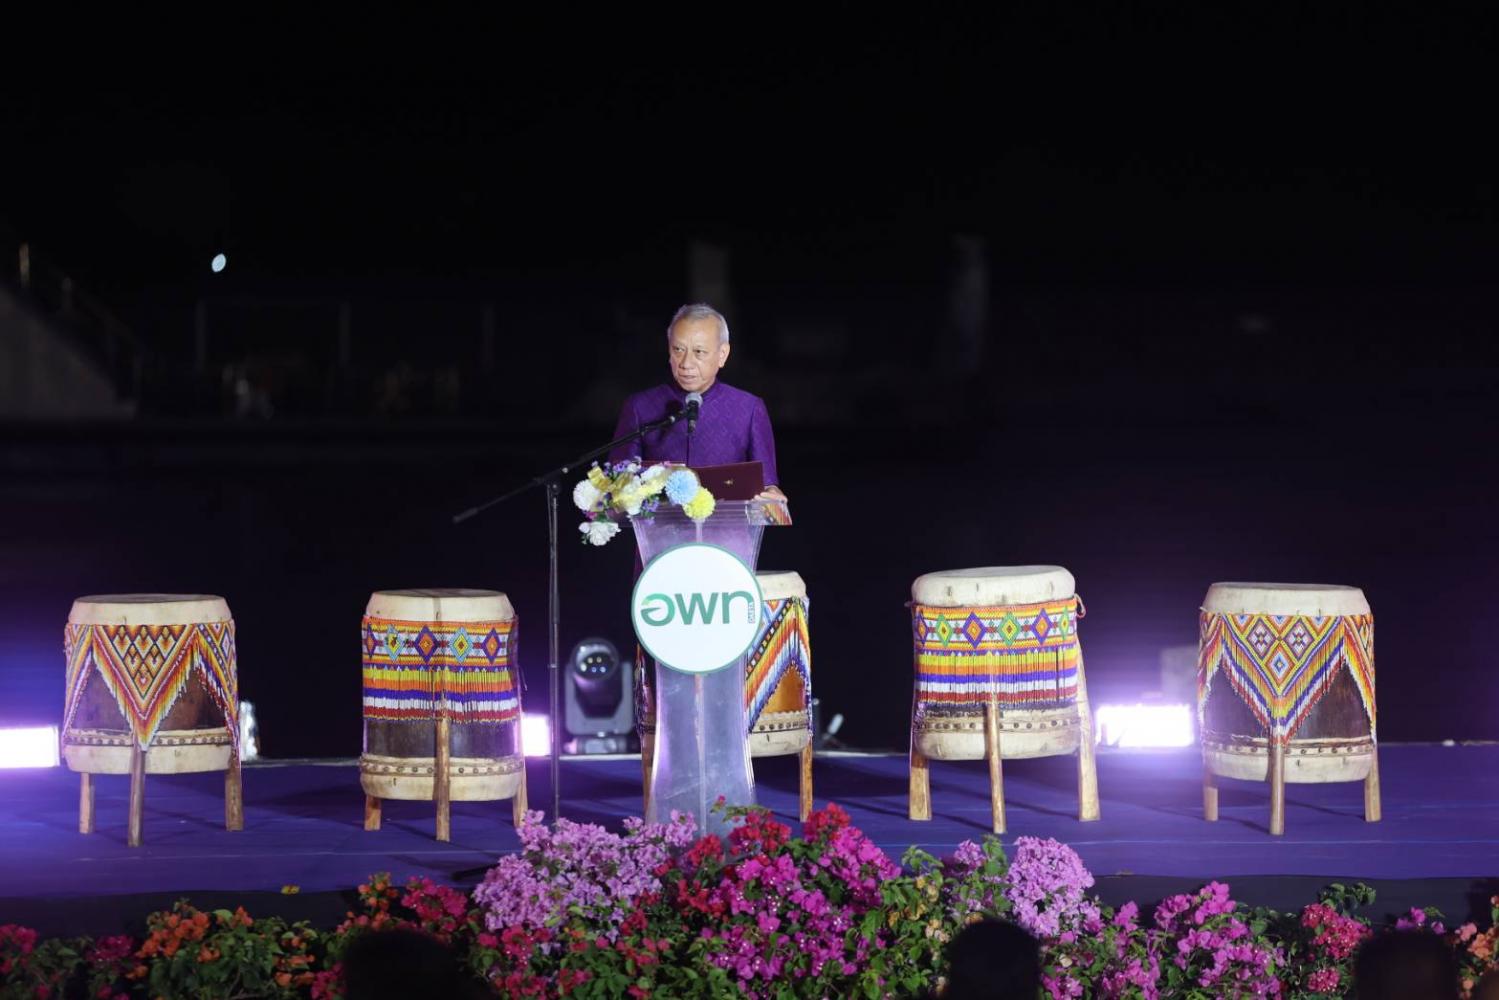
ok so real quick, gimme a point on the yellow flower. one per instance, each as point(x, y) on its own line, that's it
point(700, 507)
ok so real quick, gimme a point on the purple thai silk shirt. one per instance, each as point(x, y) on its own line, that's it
point(732, 426)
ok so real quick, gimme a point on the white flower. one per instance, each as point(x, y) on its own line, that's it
point(654, 472)
point(599, 532)
point(585, 495)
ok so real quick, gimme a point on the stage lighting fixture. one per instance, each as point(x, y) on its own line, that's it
point(219, 263)
point(535, 735)
point(33, 746)
point(1144, 725)
point(599, 699)
point(249, 732)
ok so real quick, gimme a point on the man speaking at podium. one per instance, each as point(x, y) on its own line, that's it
point(731, 425)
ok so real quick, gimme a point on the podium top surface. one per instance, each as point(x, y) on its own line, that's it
point(725, 512)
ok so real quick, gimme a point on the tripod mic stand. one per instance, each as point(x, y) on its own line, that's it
point(550, 481)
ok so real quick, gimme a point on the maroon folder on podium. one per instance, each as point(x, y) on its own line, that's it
point(739, 481)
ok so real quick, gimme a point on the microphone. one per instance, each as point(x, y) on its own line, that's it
point(694, 403)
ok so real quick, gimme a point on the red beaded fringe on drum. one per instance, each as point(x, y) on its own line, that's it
point(415, 670)
point(146, 668)
point(1020, 656)
point(1282, 665)
point(782, 645)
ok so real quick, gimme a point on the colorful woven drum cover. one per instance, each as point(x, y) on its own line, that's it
point(1282, 665)
point(418, 670)
point(147, 670)
point(778, 680)
point(415, 672)
point(1024, 658)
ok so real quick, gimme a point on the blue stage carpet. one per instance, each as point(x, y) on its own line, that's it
point(304, 827)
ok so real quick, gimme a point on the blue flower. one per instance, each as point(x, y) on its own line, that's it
point(681, 486)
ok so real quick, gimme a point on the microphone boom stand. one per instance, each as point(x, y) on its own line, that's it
point(550, 482)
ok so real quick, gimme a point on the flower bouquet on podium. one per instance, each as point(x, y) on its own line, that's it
point(617, 490)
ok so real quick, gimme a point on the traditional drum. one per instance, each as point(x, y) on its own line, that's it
point(152, 688)
point(778, 678)
point(1298, 704)
point(777, 683)
point(442, 709)
point(999, 673)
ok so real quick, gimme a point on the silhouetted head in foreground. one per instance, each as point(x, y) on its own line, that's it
point(993, 960)
point(384, 965)
point(1487, 988)
point(1408, 965)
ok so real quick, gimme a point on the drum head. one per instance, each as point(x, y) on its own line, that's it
point(992, 586)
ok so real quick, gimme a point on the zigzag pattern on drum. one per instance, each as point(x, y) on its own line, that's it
point(1282, 665)
point(411, 669)
point(1017, 655)
point(146, 668)
point(781, 644)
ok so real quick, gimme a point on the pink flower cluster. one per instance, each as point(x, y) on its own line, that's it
point(1203, 936)
point(981, 879)
point(441, 910)
point(1110, 955)
point(1338, 936)
point(791, 913)
point(578, 865)
point(16, 943)
point(1047, 889)
point(1419, 920)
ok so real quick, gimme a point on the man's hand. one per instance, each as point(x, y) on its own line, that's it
point(772, 493)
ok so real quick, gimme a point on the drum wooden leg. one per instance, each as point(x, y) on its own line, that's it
point(919, 797)
point(1087, 769)
point(1371, 791)
point(86, 803)
point(371, 813)
point(647, 767)
point(996, 774)
point(234, 795)
point(1209, 795)
point(519, 805)
point(137, 793)
point(1277, 787)
point(806, 803)
point(441, 790)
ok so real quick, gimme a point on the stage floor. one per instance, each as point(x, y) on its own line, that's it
point(304, 828)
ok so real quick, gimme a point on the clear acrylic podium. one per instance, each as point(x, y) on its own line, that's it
point(701, 747)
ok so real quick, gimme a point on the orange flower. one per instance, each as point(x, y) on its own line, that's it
point(207, 954)
point(283, 979)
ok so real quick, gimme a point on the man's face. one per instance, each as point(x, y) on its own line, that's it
point(695, 353)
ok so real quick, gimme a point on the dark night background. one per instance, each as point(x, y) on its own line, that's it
point(1165, 303)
